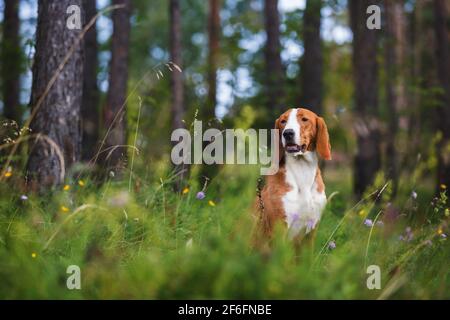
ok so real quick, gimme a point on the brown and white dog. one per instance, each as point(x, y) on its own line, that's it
point(295, 195)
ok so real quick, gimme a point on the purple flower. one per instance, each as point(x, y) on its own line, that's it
point(23, 197)
point(200, 195)
point(408, 230)
point(414, 195)
point(368, 222)
point(443, 235)
point(331, 245)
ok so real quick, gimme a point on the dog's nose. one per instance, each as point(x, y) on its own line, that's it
point(288, 134)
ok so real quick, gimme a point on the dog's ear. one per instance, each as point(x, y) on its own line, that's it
point(323, 141)
point(280, 144)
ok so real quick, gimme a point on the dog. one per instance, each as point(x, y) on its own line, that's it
point(295, 195)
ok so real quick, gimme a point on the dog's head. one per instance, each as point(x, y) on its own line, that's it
point(302, 131)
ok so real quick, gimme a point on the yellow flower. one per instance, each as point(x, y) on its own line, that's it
point(34, 255)
point(211, 203)
point(66, 187)
point(443, 186)
point(81, 183)
point(8, 174)
point(439, 232)
point(362, 213)
point(64, 209)
point(185, 190)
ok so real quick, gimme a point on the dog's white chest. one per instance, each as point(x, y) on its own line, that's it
point(303, 204)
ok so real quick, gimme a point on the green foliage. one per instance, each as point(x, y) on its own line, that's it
point(148, 242)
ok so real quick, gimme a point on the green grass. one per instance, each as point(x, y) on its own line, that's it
point(151, 243)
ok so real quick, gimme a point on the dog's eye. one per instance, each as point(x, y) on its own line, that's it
point(283, 121)
point(304, 119)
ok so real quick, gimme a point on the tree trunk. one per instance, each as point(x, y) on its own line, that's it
point(89, 108)
point(213, 57)
point(311, 68)
point(58, 117)
point(11, 61)
point(367, 159)
point(176, 81)
point(418, 38)
point(443, 66)
point(273, 65)
point(115, 109)
point(395, 88)
point(209, 112)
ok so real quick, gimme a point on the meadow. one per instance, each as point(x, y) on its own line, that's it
point(134, 238)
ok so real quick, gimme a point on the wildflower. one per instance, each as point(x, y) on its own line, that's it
point(331, 245)
point(81, 183)
point(439, 232)
point(368, 223)
point(34, 255)
point(408, 234)
point(362, 213)
point(414, 195)
point(23, 197)
point(66, 187)
point(200, 195)
point(8, 174)
point(443, 186)
point(64, 209)
point(211, 203)
point(185, 190)
point(443, 235)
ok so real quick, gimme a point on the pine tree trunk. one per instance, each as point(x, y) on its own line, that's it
point(115, 109)
point(11, 61)
point(176, 83)
point(441, 24)
point(208, 113)
point(274, 69)
point(368, 156)
point(213, 57)
point(89, 108)
point(395, 88)
point(58, 117)
point(311, 67)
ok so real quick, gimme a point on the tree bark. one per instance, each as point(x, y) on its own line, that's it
point(89, 107)
point(58, 117)
point(368, 156)
point(176, 81)
point(11, 61)
point(311, 67)
point(443, 66)
point(213, 57)
point(209, 112)
point(273, 65)
point(395, 88)
point(115, 109)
